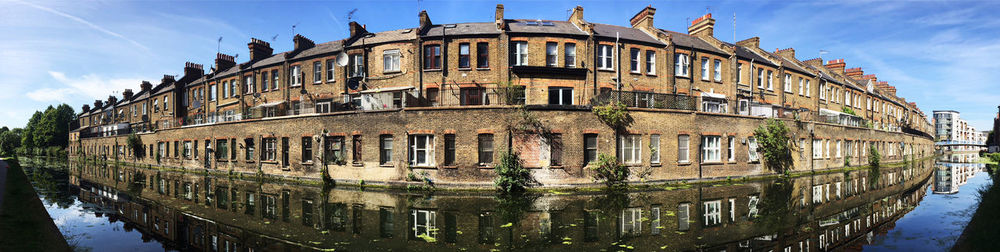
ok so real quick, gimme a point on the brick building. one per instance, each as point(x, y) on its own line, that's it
point(441, 101)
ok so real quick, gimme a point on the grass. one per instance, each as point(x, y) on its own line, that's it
point(982, 232)
point(25, 225)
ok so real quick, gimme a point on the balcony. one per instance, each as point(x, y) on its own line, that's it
point(647, 100)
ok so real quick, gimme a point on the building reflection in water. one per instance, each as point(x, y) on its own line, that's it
point(188, 211)
point(948, 176)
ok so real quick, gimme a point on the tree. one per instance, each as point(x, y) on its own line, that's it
point(9, 141)
point(774, 139)
point(134, 143)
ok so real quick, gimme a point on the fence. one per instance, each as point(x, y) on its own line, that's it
point(647, 100)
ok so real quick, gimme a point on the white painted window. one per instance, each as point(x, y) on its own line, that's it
point(569, 54)
point(731, 151)
point(682, 148)
point(421, 150)
point(424, 223)
point(329, 73)
point(390, 60)
point(788, 83)
point(752, 206)
point(838, 148)
point(630, 151)
point(683, 216)
point(802, 90)
point(704, 69)
point(634, 59)
point(808, 89)
point(296, 73)
point(732, 210)
point(712, 212)
point(710, 149)
point(752, 150)
point(817, 194)
point(605, 57)
point(681, 65)
point(770, 80)
point(631, 221)
point(717, 74)
point(317, 72)
point(654, 149)
point(650, 62)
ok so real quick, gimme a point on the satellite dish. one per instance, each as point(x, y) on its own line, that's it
point(353, 83)
point(342, 59)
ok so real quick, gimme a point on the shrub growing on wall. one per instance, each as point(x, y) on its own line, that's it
point(512, 177)
point(608, 170)
point(774, 141)
point(134, 143)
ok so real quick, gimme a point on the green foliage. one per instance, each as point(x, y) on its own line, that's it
point(510, 94)
point(10, 140)
point(134, 143)
point(512, 177)
point(608, 170)
point(850, 111)
point(775, 142)
point(615, 115)
point(874, 158)
point(47, 128)
point(994, 157)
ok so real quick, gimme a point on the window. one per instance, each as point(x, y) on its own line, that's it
point(421, 150)
point(449, 149)
point(225, 90)
point(232, 149)
point(356, 149)
point(324, 106)
point(187, 149)
point(713, 105)
point(681, 65)
point(424, 223)
point(822, 91)
point(704, 69)
point(569, 54)
point(731, 150)
point(808, 88)
point(682, 148)
point(329, 72)
point(630, 149)
point(710, 149)
point(718, 70)
point(270, 149)
point(788, 83)
point(770, 80)
point(520, 53)
point(551, 54)
point(555, 150)
point(827, 148)
point(385, 150)
point(390, 60)
point(838, 148)
point(650, 62)
point(760, 78)
point(357, 65)
point(485, 149)
point(296, 75)
point(176, 149)
point(307, 149)
point(156, 107)
point(634, 59)
point(739, 73)
point(589, 148)
point(221, 149)
point(482, 55)
point(211, 93)
point(251, 86)
point(683, 216)
point(713, 212)
point(817, 148)
point(473, 96)
point(801, 90)
point(752, 150)
point(561, 95)
point(264, 84)
point(605, 57)
point(654, 149)
point(334, 149)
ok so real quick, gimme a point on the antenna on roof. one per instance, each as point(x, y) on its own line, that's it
point(734, 27)
point(350, 14)
point(293, 27)
point(274, 38)
point(218, 47)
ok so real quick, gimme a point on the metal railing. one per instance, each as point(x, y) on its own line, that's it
point(647, 100)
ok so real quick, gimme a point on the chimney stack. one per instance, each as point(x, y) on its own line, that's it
point(854, 73)
point(98, 104)
point(146, 86)
point(167, 79)
point(112, 100)
point(425, 20)
point(836, 65)
point(787, 53)
point(498, 18)
point(127, 95)
point(86, 108)
point(302, 43)
point(644, 18)
point(818, 62)
point(193, 70)
point(750, 42)
point(577, 17)
point(223, 62)
point(703, 26)
point(356, 29)
point(259, 49)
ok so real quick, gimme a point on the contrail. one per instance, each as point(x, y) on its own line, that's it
point(85, 22)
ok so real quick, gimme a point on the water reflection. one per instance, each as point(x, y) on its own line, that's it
point(949, 176)
point(188, 211)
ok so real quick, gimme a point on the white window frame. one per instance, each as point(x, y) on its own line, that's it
point(817, 148)
point(390, 60)
point(808, 88)
point(752, 151)
point(711, 149)
point(330, 71)
point(317, 72)
point(634, 62)
point(788, 83)
point(801, 86)
point(605, 57)
point(569, 54)
point(429, 224)
point(712, 212)
point(683, 148)
point(681, 64)
point(630, 145)
point(520, 53)
point(428, 150)
point(731, 149)
point(717, 73)
point(650, 62)
point(296, 73)
point(704, 69)
point(654, 152)
point(770, 80)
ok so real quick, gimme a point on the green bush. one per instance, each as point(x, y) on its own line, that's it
point(614, 115)
point(874, 158)
point(134, 143)
point(512, 177)
point(608, 170)
point(774, 141)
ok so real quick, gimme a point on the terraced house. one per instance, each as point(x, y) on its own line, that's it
point(439, 102)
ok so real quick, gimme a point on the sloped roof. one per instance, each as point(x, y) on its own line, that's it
point(685, 40)
point(792, 64)
point(544, 27)
point(274, 59)
point(319, 49)
point(385, 37)
point(480, 28)
point(745, 53)
point(628, 33)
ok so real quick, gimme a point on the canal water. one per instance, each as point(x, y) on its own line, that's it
point(914, 207)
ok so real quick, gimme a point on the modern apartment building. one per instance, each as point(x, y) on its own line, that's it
point(954, 135)
point(441, 101)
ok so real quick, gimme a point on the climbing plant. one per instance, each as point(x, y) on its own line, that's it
point(512, 177)
point(775, 142)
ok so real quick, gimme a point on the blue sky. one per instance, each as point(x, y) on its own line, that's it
point(942, 55)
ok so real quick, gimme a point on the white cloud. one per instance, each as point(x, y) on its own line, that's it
point(90, 86)
point(87, 23)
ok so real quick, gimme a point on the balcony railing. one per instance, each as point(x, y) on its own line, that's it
point(647, 100)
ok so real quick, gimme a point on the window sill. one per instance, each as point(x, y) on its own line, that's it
point(706, 80)
point(392, 72)
point(306, 163)
point(684, 163)
point(424, 167)
point(432, 70)
point(656, 164)
point(269, 162)
point(682, 76)
point(482, 69)
point(464, 69)
point(718, 81)
point(317, 83)
point(386, 165)
point(606, 69)
point(295, 85)
point(651, 74)
point(712, 163)
point(357, 164)
point(250, 161)
point(635, 73)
